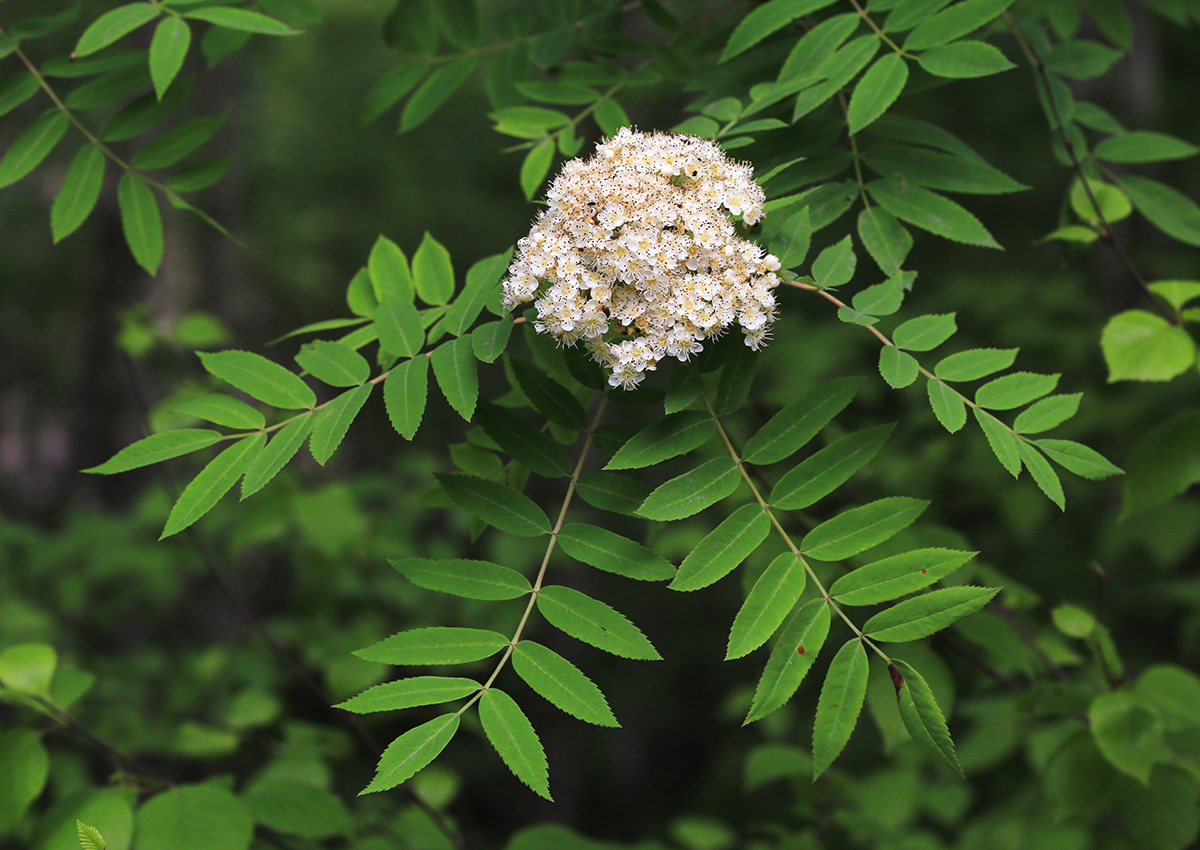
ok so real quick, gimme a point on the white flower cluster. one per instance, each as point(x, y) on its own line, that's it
point(638, 240)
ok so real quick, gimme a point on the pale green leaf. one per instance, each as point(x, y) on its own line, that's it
point(435, 645)
point(275, 455)
point(410, 692)
point(1047, 413)
point(141, 221)
point(896, 576)
point(157, 448)
point(594, 622)
point(923, 615)
point(1078, 458)
point(1129, 733)
point(295, 807)
point(114, 24)
point(876, 90)
point(1002, 440)
point(924, 332)
point(412, 751)
point(974, 364)
point(1141, 346)
point(469, 579)
point(168, 49)
point(243, 20)
point(1043, 474)
point(481, 284)
point(399, 325)
point(388, 270)
point(223, 410)
point(562, 683)
point(198, 817)
point(536, 166)
point(964, 59)
point(885, 238)
point(834, 266)
point(259, 378)
point(511, 733)
point(1014, 390)
point(28, 668)
point(948, 406)
point(898, 368)
point(213, 482)
point(89, 837)
point(1143, 146)
point(954, 22)
point(455, 369)
point(432, 271)
point(334, 363)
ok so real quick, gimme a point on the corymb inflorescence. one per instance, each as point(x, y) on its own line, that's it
point(637, 256)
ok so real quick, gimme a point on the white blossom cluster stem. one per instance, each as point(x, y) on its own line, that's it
point(637, 256)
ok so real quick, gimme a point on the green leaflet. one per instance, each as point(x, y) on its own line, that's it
point(1014, 390)
point(923, 719)
point(298, 808)
point(404, 393)
point(858, 529)
point(389, 88)
point(770, 600)
point(822, 473)
point(243, 20)
point(1144, 146)
point(89, 837)
point(489, 340)
point(15, 89)
point(766, 19)
point(930, 211)
point(259, 378)
point(885, 238)
point(964, 59)
point(673, 435)
point(612, 492)
point(407, 693)
point(535, 449)
point(334, 363)
point(692, 492)
point(562, 683)
point(838, 69)
point(511, 733)
point(1078, 458)
point(1163, 463)
point(606, 550)
point(1001, 439)
point(924, 332)
point(948, 406)
point(206, 817)
point(26, 765)
point(331, 424)
point(495, 504)
point(936, 170)
point(737, 374)
point(213, 482)
point(140, 220)
point(435, 91)
point(435, 645)
point(594, 622)
point(876, 90)
point(387, 268)
point(478, 289)
point(840, 703)
point(454, 367)
point(834, 266)
point(791, 658)
point(817, 45)
point(899, 575)
point(723, 548)
point(930, 612)
point(1129, 733)
point(469, 579)
point(412, 751)
point(974, 364)
point(898, 368)
point(1141, 346)
point(275, 455)
point(954, 22)
point(28, 668)
point(79, 193)
point(168, 49)
point(789, 429)
point(223, 410)
point(113, 25)
point(1175, 692)
point(1043, 474)
point(535, 167)
point(158, 447)
point(174, 145)
point(683, 387)
point(399, 325)
point(432, 271)
point(1081, 59)
point(549, 397)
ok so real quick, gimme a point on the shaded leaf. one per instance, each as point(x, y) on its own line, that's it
point(923, 719)
point(1168, 209)
point(223, 410)
point(885, 238)
point(529, 446)
point(858, 529)
point(840, 703)
point(606, 550)
point(673, 435)
point(765, 20)
point(612, 492)
point(435, 91)
point(791, 428)
point(876, 90)
point(693, 491)
point(549, 397)
point(79, 193)
point(1143, 146)
point(496, 505)
point(930, 211)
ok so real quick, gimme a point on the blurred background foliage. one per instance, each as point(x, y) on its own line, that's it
point(91, 348)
